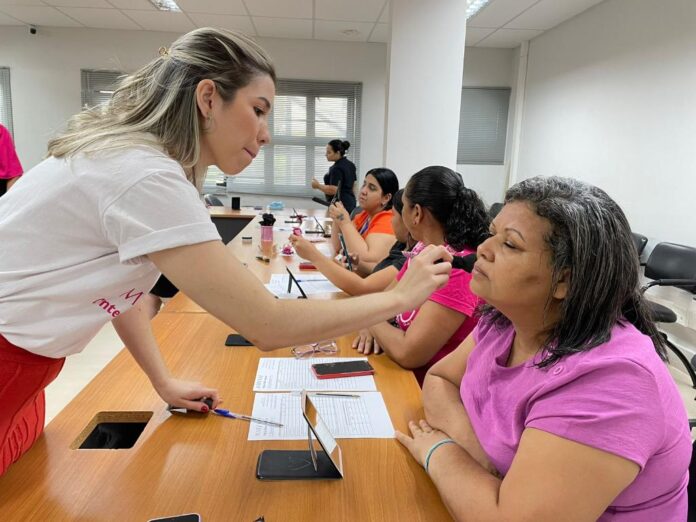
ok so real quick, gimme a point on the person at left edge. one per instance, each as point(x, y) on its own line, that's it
point(10, 167)
point(86, 232)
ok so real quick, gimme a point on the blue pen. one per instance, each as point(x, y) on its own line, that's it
point(230, 415)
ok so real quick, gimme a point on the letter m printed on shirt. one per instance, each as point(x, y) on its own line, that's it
point(131, 294)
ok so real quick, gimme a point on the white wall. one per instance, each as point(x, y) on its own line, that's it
point(45, 80)
point(424, 85)
point(45, 76)
point(485, 67)
point(611, 99)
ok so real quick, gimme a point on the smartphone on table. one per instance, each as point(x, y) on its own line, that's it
point(340, 369)
point(237, 340)
point(189, 517)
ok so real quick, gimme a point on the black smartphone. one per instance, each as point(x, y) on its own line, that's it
point(337, 196)
point(189, 517)
point(345, 251)
point(336, 370)
point(237, 340)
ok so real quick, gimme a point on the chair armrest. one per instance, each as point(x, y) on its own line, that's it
point(668, 282)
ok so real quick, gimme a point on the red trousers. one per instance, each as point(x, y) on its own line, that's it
point(23, 377)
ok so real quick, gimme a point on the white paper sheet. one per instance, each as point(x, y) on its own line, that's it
point(311, 284)
point(365, 417)
point(290, 374)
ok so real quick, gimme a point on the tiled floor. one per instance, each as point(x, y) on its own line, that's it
point(80, 369)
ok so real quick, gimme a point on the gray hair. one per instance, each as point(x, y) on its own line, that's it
point(591, 239)
point(157, 105)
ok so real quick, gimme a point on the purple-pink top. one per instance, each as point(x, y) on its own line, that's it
point(618, 397)
point(10, 167)
point(455, 295)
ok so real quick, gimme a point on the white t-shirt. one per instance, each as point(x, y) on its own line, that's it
point(74, 234)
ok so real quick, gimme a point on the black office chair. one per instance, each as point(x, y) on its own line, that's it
point(493, 211)
point(640, 241)
point(670, 264)
point(212, 201)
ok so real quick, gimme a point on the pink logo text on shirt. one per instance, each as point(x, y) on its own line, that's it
point(130, 294)
point(111, 309)
point(108, 307)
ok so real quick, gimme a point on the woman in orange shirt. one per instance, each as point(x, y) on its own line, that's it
point(370, 233)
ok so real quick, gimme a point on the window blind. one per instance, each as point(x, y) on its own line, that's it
point(483, 126)
point(306, 116)
point(6, 100)
point(98, 86)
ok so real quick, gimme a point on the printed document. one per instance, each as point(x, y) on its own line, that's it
point(363, 417)
point(290, 374)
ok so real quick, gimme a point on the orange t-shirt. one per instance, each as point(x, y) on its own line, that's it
point(380, 223)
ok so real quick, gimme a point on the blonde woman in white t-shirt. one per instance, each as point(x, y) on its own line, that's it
point(86, 233)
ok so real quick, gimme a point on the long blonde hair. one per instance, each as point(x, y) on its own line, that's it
point(157, 105)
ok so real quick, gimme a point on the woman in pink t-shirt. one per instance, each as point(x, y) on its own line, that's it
point(437, 210)
point(559, 405)
point(10, 167)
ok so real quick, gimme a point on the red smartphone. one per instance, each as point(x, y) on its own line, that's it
point(337, 370)
point(307, 266)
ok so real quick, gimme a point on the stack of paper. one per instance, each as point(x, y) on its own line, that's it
point(290, 374)
point(363, 416)
point(359, 413)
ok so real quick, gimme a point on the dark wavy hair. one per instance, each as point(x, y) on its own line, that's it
point(590, 237)
point(398, 202)
point(340, 146)
point(387, 181)
point(458, 209)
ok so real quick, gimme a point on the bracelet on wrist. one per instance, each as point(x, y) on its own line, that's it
point(432, 450)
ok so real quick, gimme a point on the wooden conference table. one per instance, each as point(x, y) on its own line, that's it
point(204, 464)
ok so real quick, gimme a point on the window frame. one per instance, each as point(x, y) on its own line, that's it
point(310, 90)
point(6, 100)
point(498, 150)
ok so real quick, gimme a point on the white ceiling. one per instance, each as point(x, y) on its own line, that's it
point(507, 23)
point(502, 23)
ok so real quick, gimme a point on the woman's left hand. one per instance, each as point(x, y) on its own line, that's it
point(187, 394)
point(315, 184)
point(339, 214)
point(424, 436)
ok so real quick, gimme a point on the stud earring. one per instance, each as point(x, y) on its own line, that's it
point(208, 122)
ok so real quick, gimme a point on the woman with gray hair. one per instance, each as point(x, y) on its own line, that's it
point(559, 405)
point(87, 232)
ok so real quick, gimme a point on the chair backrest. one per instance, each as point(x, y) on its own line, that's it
point(357, 210)
point(212, 201)
point(640, 241)
point(495, 208)
point(672, 261)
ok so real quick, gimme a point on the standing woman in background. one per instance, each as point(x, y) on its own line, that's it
point(10, 167)
point(118, 194)
point(342, 170)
